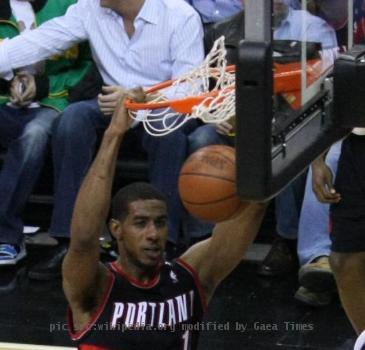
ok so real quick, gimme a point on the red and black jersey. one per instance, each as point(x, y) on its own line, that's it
point(165, 314)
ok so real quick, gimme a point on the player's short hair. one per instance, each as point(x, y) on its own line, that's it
point(131, 193)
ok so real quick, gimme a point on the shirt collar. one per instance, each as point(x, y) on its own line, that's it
point(149, 11)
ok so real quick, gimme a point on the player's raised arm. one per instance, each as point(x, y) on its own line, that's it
point(82, 273)
point(216, 257)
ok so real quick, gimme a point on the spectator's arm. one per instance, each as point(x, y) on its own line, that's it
point(52, 37)
point(322, 181)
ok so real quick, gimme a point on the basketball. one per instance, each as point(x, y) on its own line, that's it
point(207, 184)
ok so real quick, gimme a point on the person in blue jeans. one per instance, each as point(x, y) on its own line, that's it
point(282, 257)
point(133, 44)
point(31, 98)
point(25, 133)
point(314, 244)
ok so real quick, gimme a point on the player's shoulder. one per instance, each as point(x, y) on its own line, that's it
point(181, 268)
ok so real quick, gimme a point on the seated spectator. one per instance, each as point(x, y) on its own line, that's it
point(30, 103)
point(282, 257)
point(138, 59)
point(316, 279)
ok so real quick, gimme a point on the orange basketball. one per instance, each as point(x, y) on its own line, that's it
point(207, 184)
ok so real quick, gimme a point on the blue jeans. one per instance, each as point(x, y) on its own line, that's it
point(288, 204)
point(206, 135)
point(313, 233)
point(25, 133)
point(74, 144)
point(166, 156)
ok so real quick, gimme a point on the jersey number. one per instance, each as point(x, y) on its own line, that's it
point(185, 338)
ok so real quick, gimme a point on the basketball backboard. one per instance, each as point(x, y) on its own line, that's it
point(284, 89)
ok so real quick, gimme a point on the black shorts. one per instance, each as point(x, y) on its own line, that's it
point(348, 216)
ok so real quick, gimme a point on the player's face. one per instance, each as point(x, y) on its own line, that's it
point(144, 232)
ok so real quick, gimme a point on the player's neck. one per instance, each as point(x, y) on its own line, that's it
point(142, 275)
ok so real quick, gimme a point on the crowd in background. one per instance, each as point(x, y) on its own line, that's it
point(59, 88)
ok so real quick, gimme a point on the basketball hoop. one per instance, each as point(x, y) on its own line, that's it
point(208, 92)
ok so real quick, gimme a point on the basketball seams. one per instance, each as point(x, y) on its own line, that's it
point(208, 175)
point(211, 202)
point(220, 153)
point(207, 183)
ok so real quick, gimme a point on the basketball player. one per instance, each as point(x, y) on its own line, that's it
point(139, 301)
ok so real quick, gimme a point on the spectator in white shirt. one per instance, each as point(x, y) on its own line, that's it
point(134, 43)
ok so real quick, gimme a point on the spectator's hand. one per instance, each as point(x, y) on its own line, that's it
point(224, 128)
point(322, 182)
point(16, 89)
point(23, 89)
point(110, 98)
point(121, 121)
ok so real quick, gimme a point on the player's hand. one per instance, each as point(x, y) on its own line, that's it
point(121, 121)
point(23, 89)
point(155, 96)
point(322, 182)
point(224, 128)
point(110, 98)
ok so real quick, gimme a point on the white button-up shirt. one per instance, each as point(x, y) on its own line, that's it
point(167, 42)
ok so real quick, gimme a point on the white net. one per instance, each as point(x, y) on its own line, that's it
point(211, 82)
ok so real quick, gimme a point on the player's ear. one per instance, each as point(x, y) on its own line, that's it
point(115, 228)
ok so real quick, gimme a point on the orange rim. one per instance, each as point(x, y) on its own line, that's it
point(287, 79)
point(184, 105)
